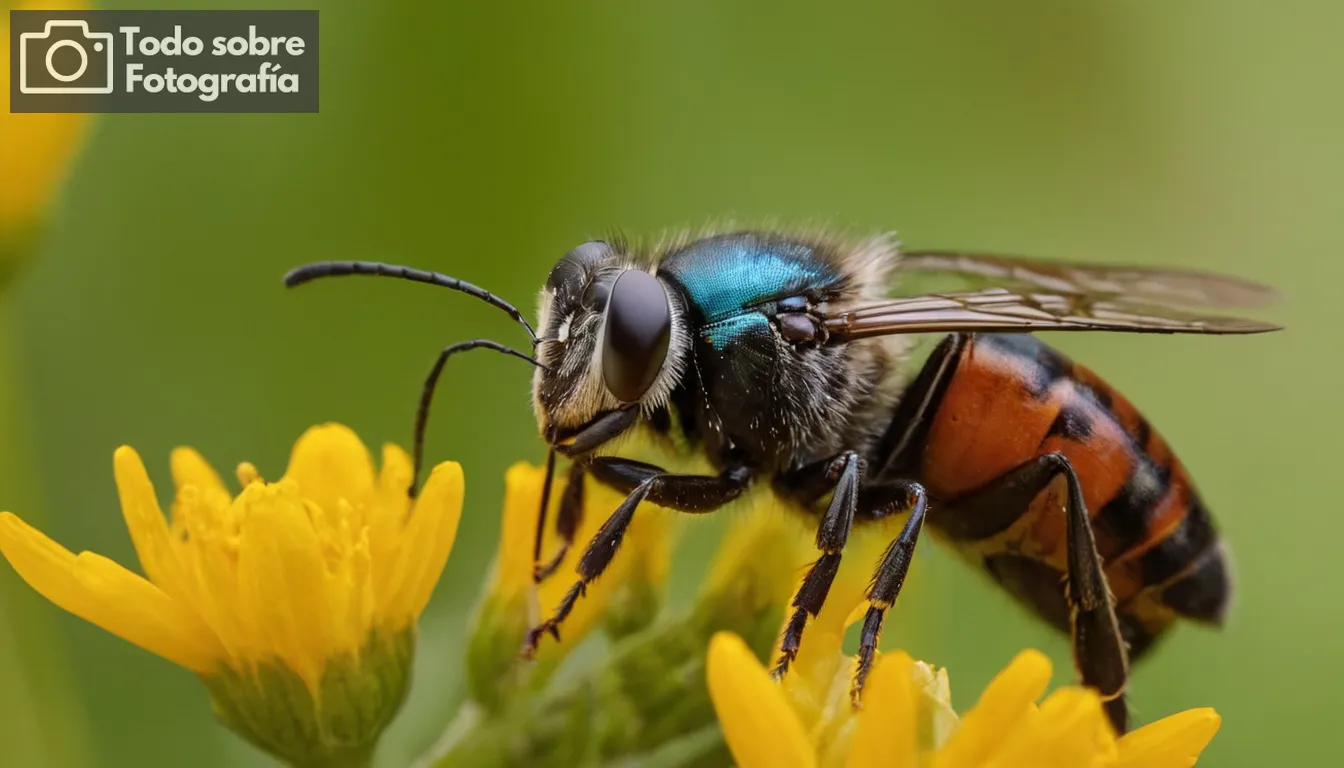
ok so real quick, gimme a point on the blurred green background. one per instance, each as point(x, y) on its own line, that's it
point(486, 140)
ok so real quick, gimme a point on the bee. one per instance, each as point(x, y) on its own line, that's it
point(778, 359)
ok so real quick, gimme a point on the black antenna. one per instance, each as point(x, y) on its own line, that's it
point(309, 272)
point(427, 395)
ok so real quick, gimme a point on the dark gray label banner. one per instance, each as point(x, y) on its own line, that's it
point(163, 61)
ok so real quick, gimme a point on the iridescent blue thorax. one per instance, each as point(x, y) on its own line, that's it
point(761, 384)
point(725, 276)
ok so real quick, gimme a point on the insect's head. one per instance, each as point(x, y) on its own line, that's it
point(611, 340)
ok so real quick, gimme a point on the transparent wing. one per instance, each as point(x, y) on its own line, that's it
point(999, 309)
point(1188, 288)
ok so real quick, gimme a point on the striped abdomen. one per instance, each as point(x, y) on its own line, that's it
point(1006, 399)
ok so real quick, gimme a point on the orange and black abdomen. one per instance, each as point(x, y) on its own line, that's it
point(994, 402)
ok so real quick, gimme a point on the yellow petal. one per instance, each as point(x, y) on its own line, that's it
point(937, 718)
point(190, 468)
point(522, 500)
point(37, 146)
point(387, 521)
point(107, 595)
point(885, 737)
point(599, 503)
point(281, 579)
point(649, 540)
point(214, 566)
point(1005, 703)
point(644, 546)
point(1172, 742)
point(761, 729)
point(1069, 731)
point(856, 614)
point(394, 478)
point(429, 539)
point(329, 463)
point(760, 559)
point(147, 525)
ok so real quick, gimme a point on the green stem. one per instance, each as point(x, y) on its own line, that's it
point(41, 715)
point(358, 757)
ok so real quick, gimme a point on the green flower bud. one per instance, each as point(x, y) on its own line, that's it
point(273, 707)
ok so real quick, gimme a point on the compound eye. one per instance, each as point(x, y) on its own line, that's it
point(635, 339)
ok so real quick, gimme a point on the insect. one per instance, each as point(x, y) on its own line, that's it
point(778, 358)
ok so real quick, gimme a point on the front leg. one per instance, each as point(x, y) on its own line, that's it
point(842, 473)
point(646, 482)
point(567, 522)
point(891, 571)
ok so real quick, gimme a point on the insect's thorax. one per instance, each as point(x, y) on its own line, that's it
point(757, 388)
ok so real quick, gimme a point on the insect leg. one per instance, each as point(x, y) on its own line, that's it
point(567, 522)
point(832, 533)
point(890, 577)
point(686, 493)
point(1099, 651)
point(575, 444)
point(1098, 648)
point(592, 436)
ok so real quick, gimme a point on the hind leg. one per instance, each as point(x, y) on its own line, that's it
point(1099, 649)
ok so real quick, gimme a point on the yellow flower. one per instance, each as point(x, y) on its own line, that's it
point(37, 149)
point(627, 592)
point(907, 721)
point(295, 601)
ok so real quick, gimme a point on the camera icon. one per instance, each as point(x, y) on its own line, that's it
point(64, 58)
